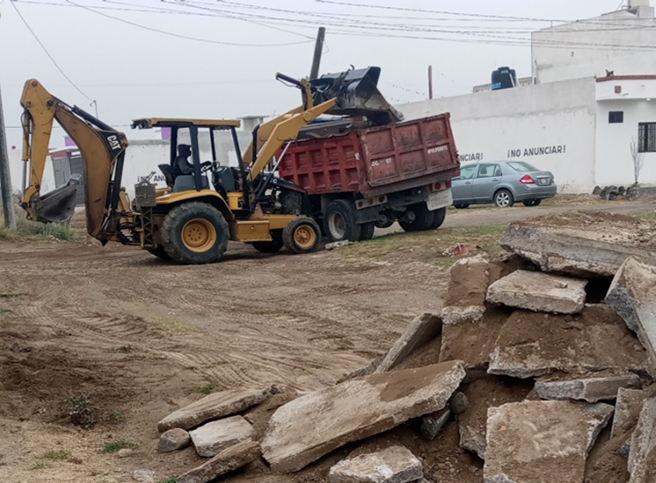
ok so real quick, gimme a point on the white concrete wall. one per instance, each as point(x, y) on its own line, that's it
point(515, 123)
point(614, 161)
point(590, 47)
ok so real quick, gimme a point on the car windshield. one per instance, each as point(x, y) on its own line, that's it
point(522, 167)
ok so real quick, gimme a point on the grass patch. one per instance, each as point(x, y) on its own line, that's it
point(647, 216)
point(39, 465)
point(124, 349)
point(116, 446)
point(205, 389)
point(427, 246)
point(35, 230)
point(118, 416)
point(55, 455)
point(80, 411)
point(173, 479)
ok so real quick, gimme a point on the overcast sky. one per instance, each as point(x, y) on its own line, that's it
point(131, 71)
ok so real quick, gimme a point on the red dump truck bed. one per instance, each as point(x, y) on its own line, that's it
point(375, 161)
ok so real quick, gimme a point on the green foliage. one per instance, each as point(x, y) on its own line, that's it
point(31, 229)
point(173, 479)
point(115, 446)
point(118, 416)
point(54, 455)
point(206, 389)
point(80, 411)
point(39, 465)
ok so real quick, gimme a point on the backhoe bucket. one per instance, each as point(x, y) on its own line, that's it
point(357, 93)
point(58, 206)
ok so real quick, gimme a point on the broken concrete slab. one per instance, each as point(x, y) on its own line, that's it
point(226, 461)
point(490, 391)
point(541, 441)
point(540, 292)
point(581, 243)
point(433, 424)
point(392, 465)
point(468, 282)
point(215, 406)
point(642, 455)
point(533, 344)
point(173, 440)
point(633, 295)
point(215, 436)
point(463, 341)
point(627, 410)
point(421, 330)
point(311, 426)
point(590, 389)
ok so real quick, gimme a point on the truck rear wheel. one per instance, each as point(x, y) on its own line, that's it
point(367, 231)
point(420, 218)
point(339, 222)
point(301, 235)
point(439, 216)
point(195, 233)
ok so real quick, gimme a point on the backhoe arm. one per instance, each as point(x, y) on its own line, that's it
point(102, 149)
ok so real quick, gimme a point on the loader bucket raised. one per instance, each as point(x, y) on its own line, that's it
point(58, 206)
point(356, 92)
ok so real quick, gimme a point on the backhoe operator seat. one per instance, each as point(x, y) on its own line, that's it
point(167, 171)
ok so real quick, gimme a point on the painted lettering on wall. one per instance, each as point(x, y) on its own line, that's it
point(155, 179)
point(464, 158)
point(539, 151)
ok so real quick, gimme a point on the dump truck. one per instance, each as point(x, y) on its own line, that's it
point(359, 176)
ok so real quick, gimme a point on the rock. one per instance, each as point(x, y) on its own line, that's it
point(227, 460)
point(632, 192)
point(392, 465)
point(433, 424)
point(173, 440)
point(124, 453)
point(540, 292)
point(144, 476)
point(215, 406)
point(421, 330)
point(633, 295)
point(337, 244)
point(596, 191)
point(215, 436)
point(465, 298)
point(642, 455)
point(490, 391)
point(627, 410)
point(463, 341)
point(541, 441)
point(591, 389)
point(311, 426)
point(534, 344)
point(581, 243)
point(458, 403)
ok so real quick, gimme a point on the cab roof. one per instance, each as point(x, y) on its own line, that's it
point(151, 122)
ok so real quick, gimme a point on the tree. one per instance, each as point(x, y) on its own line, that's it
point(638, 159)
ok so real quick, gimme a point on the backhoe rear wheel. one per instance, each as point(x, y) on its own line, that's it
point(301, 235)
point(195, 233)
point(159, 252)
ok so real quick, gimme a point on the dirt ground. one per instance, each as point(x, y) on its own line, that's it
point(129, 338)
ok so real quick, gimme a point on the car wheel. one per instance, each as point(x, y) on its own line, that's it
point(461, 207)
point(532, 202)
point(503, 199)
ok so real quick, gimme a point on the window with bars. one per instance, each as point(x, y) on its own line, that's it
point(647, 137)
point(616, 117)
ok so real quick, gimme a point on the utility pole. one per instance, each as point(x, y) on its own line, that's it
point(5, 176)
point(318, 48)
point(430, 81)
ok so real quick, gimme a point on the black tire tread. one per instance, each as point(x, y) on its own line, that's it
point(288, 235)
point(423, 219)
point(438, 218)
point(346, 209)
point(367, 231)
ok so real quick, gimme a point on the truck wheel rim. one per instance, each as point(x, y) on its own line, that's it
point(304, 236)
point(503, 199)
point(336, 225)
point(198, 235)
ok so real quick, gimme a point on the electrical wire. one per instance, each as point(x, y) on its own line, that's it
point(186, 37)
point(13, 4)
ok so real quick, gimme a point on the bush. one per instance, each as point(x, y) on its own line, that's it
point(30, 229)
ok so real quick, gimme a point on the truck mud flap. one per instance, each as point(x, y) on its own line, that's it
point(58, 205)
point(356, 92)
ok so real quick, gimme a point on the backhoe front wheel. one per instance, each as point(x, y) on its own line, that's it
point(195, 233)
point(301, 235)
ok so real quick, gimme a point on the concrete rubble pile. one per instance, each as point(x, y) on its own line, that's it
point(538, 369)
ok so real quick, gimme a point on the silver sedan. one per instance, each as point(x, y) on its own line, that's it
point(502, 183)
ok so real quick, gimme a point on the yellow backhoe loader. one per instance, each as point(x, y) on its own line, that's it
point(192, 219)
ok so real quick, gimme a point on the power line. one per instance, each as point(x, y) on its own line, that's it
point(13, 4)
point(186, 37)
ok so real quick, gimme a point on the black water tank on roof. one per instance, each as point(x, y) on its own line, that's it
point(504, 78)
